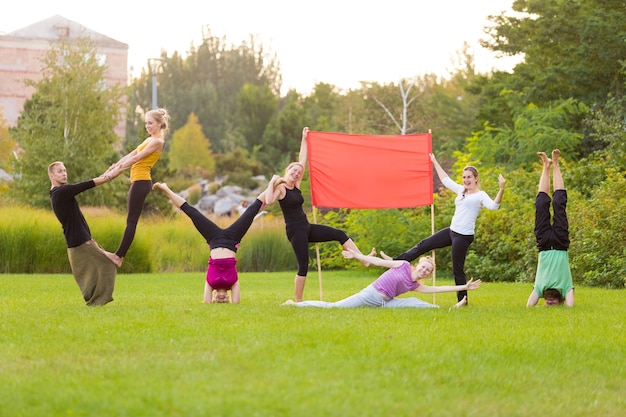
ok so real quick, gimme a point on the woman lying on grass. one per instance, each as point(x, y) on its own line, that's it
point(400, 278)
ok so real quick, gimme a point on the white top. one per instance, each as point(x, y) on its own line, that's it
point(467, 207)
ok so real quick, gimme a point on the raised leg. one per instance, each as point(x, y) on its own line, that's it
point(557, 178)
point(544, 181)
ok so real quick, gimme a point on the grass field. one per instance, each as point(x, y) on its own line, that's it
point(158, 351)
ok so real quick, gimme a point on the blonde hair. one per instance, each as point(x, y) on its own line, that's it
point(292, 165)
point(162, 117)
point(430, 260)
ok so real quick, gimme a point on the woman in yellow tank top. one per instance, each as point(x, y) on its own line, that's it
point(140, 161)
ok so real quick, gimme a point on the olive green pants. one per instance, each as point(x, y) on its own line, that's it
point(93, 272)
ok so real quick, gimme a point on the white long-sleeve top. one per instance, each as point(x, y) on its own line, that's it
point(467, 207)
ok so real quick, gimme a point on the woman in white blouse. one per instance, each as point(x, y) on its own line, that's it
point(460, 235)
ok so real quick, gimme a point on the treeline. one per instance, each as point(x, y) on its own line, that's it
point(230, 119)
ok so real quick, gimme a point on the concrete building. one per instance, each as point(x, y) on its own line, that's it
point(19, 59)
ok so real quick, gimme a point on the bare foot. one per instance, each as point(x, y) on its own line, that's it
point(372, 253)
point(117, 261)
point(288, 303)
point(385, 256)
point(159, 185)
point(544, 158)
point(461, 303)
point(555, 156)
point(278, 182)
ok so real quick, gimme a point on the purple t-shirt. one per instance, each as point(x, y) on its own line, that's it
point(396, 281)
point(222, 273)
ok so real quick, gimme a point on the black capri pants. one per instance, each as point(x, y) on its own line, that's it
point(301, 234)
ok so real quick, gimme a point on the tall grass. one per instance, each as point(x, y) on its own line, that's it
point(31, 241)
point(158, 351)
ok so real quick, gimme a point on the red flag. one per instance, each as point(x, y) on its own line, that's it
point(370, 171)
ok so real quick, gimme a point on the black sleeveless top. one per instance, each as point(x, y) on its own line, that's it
point(291, 205)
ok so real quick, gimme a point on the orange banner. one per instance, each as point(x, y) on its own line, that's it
point(370, 171)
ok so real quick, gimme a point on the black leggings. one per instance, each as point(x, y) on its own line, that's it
point(137, 194)
point(217, 237)
point(555, 234)
point(460, 245)
point(302, 234)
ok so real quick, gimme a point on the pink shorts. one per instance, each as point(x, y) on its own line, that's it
point(222, 273)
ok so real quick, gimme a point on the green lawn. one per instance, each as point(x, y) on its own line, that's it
point(158, 351)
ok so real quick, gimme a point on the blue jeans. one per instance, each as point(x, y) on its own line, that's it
point(369, 297)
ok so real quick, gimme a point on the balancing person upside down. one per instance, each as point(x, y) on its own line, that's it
point(553, 281)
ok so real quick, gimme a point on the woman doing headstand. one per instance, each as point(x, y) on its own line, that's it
point(221, 273)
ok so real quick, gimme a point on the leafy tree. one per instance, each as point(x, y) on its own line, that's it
point(607, 125)
point(598, 250)
point(322, 109)
point(190, 151)
point(7, 146)
point(395, 105)
point(255, 107)
point(239, 168)
point(534, 128)
point(571, 49)
point(496, 101)
point(71, 117)
point(281, 138)
point(425, 103)
point(207, 82)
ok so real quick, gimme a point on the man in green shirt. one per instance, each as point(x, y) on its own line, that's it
point(553, 281)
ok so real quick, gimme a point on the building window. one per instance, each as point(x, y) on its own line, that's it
point(63, 31)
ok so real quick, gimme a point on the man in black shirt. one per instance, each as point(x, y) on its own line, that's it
point(93, 272)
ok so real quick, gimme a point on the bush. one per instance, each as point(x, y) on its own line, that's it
point(598, 250)
point(265, 248)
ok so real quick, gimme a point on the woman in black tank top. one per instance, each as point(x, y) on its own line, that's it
point(299, 231)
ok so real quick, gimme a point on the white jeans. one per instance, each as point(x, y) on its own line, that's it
point(369, 297)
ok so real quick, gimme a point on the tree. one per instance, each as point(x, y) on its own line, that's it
point(534, 128)
point(399, 121)
point(255, 107)
point(322, 109)
point(71, 117)
point(240, 168)
point(8, 146)
point(207, 81)
point(281, 138)
point(571, 49)
point(190, 151)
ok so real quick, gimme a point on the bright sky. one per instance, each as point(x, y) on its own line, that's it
point(332, 41)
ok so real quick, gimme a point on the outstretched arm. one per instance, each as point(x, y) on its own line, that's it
point(129, 160)
point(123, 163)
point(532, 299)
point(471, 285)
point(373, 260)
point(107, 176)
point(303, 156)
point(440, 172)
